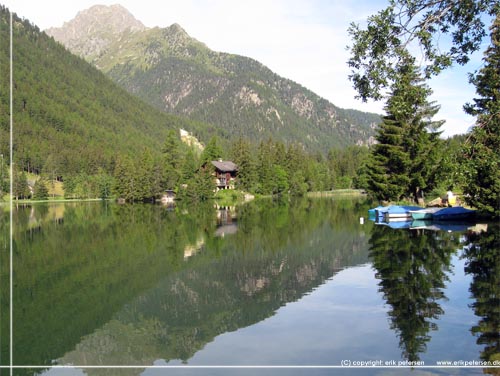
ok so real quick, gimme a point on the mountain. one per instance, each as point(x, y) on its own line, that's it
point(90, 22)
point(68, 116)
point(178, 74)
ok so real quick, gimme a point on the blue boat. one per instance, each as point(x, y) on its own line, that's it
point(423, 214)
point(396, 224)
point(392, 212)
point(453, 213)
point(372, 213)
point(448, 226)
point(399, 212)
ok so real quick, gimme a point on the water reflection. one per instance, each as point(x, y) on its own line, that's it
point(412, 267)
point(483, 263)
point(109, 284)
point(226, 221)
point(4, 284)
point(104, 284)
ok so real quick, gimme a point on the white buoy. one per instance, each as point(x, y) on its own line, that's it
point(361, 220)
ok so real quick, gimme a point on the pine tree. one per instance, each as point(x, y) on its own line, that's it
point(4, 177)
point(388, 165)
point(280, 180)
point(172, 160)
point(20, 186)
point(202, 185)
point(145, 176)
point(406, 160)
point(295, 165)
point(212, 152)
point(189, 167)
point(40, 191)
point(482, 148)
point(265, 170)
point(243, 156)
point(104, 184)
point(125, 184)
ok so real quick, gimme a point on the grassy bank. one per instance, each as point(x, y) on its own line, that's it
point(338, 192)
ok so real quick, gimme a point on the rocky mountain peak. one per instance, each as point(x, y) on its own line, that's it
point(93, 29)
point(178, 74)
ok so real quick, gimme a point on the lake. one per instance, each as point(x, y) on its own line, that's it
point(269, 283)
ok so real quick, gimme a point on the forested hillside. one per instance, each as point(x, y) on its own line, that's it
point(68, 116)
point(178, 74)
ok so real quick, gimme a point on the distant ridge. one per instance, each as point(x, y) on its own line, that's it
point(238, 95)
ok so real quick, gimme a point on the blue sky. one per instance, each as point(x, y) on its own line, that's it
point(303, 40)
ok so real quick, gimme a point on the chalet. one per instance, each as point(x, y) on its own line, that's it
point(225, 174)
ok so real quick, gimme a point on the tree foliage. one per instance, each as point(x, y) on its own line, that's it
point(406, 158)
point(482, 149)
point(378, 50)
point(70, 118)
point(40, 191)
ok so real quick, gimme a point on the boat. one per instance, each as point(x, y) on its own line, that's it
point(423, 224)
point(372, 213)
point(426, 213)
point(392, 212)
point(396, 224)
point(448, 226)
point(453, 213)
point(401, 212)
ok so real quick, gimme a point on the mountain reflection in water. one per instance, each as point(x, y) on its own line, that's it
point(112, 284)
point(103, 284)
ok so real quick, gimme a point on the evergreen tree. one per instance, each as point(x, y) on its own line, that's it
point(297, 184)
point(104, 184)
point(200, 187)
point(405, 160)
point(265, 167)
point(387, 166)
point(189, 167)
point(20, 188)
point(280, 180)
point(482, 149)
point(172, 160)
point(69, 186)
point(145, 177)
point(212, 152)
point(40, 191)
point(125, 182)
point(242, 154)
point(84, 186)
point(4, 177)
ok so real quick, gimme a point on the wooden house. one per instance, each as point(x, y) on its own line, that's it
point(225, 174)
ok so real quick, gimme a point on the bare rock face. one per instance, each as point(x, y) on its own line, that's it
point(94, 29)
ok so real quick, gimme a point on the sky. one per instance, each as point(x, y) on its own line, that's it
point(302, 40)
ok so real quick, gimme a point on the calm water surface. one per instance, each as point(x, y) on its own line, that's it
point(271, 283)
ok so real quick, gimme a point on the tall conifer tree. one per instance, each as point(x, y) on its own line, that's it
point(482, 149)
point(242, 154)
point(405, 161)
point(172, 160)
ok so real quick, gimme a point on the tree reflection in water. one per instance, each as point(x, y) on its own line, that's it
point(412, 266)
point(483, 263)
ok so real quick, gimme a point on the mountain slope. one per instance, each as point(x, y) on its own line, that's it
point(68, 116)
point(178, 74)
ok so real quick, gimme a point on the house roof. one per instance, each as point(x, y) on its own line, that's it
point(225, 166)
